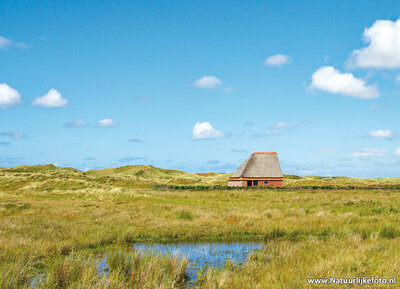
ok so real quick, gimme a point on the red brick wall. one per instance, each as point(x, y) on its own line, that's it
point(274, 183)
point(271, 183)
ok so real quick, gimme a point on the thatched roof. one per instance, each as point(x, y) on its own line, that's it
point(260, 165)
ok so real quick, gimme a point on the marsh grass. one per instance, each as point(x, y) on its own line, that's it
point(16, 271)
point(72, 271)
point(78, 270)
point(146, 270)
point(286, 264)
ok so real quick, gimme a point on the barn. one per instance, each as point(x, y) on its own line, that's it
point(260, 169)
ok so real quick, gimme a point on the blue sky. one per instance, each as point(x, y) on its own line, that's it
point(199, 85)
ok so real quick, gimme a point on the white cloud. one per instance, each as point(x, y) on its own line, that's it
point(383, 50)
point(4, 42)
point(332, 80)
point(273, 132)
point(204, 130)
point(77, 123)
point(107, 122)
point(327, 149)
point(208, 81)
point(8, 96)
point(52, 99)
point(283, 124)
point(381, 133)
point(397, 152)
point(369, 152)
point(277, 60)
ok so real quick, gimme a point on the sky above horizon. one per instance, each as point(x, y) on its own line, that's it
point(200, 85)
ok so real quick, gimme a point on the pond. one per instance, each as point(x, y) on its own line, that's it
point(201, 255)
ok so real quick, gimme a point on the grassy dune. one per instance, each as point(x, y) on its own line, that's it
point(59, 222)
point(142, 176)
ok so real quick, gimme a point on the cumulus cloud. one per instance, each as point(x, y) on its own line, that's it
point(383, 50)
point(208, 81)
point(107, 122)
point(397, 152)
point(381, 133)
point(204, 130)
point(13, 134)
point(77, 123)
point(51, 99)
point(332, 80)
point(369, 152)
point(277, 60)
point(8, 96)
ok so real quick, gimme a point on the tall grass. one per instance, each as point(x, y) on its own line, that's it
point(17, 271)
point(146, 270)
point(72, 271)
point(124, 270)
point(287, 264)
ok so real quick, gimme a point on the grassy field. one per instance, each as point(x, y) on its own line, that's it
point(57, 223)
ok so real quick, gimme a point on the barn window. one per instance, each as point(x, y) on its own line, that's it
point(255, 183)
point(266, 182)
point(249, 183)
